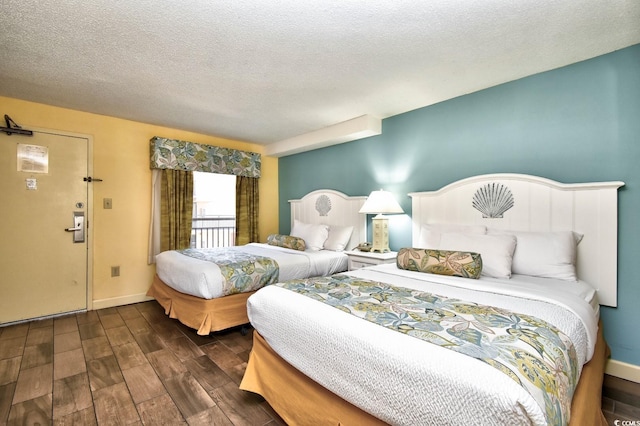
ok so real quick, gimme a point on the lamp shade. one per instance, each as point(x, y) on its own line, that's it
point(381, 202)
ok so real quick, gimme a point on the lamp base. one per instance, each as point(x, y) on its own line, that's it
point(380, 234)
point(380, 250)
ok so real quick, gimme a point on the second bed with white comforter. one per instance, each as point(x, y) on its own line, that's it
point(405, 380)
point(203, 279)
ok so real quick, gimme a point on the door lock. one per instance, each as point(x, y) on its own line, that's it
point(78, 228)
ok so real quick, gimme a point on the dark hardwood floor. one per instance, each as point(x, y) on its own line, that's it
point(125, 365)
point(621, 401)
point(134, 365)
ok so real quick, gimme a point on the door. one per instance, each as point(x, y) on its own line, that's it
point(43, 266)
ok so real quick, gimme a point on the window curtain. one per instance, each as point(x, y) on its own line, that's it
point(175, 157)
point(247, 201)
point(176, 209)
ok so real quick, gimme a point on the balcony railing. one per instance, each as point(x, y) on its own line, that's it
point(212, 232)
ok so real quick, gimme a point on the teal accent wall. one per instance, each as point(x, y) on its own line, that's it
point(579, 123)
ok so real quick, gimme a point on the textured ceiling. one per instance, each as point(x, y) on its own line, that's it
point(269, 71)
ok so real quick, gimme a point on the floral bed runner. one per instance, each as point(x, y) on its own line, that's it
point(532, 352)
point(241, 271)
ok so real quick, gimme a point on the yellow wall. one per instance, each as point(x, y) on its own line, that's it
point(121, 160)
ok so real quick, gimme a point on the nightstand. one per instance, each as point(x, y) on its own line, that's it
point(361, 259)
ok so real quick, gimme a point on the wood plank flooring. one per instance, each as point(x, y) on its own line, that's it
point(125, 365)
point(620, 401)
point(134, 365)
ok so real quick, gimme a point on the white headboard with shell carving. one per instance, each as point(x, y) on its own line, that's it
point(329, 207)
point(529, 203)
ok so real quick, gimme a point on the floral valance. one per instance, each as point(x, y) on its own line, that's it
point(182, 155)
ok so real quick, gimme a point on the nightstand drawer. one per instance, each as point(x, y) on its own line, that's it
point(359, 259)
point(357, 264)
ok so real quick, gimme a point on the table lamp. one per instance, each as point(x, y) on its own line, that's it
point(380, 203)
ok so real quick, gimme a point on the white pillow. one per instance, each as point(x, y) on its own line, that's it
point(430, 233)
point(546, 254)
point(496, 250)
point(313, 235)
point(338, 237)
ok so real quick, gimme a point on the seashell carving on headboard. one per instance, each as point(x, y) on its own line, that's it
point(323, 205)
point(493, 200)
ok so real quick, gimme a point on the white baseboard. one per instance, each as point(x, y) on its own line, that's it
point(623, 370)
point(120, 301)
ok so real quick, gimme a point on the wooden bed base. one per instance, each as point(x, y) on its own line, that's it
point(299, 400)
point(203, 315)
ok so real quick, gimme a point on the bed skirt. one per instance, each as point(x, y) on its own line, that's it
point(299, 400)
point(203, 315)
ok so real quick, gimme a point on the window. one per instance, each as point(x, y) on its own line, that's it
point(214, 210)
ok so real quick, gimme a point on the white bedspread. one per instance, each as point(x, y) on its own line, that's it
point(406, 381)
point(202, 279)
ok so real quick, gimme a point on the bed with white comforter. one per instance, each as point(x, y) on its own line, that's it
point(207, 289)
point(403, 380)
point(201, 278)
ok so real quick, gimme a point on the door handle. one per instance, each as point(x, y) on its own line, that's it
point(78, 229)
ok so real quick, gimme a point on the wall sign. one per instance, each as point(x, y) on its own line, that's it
point(32, 184)
point(33, 158)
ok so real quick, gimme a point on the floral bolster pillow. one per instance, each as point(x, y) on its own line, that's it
point(286, 241)
point(441, 262)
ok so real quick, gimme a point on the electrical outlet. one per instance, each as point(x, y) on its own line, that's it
point(107, 203)
point(115, 271)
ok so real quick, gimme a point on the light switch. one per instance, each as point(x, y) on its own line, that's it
point(107, 203)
